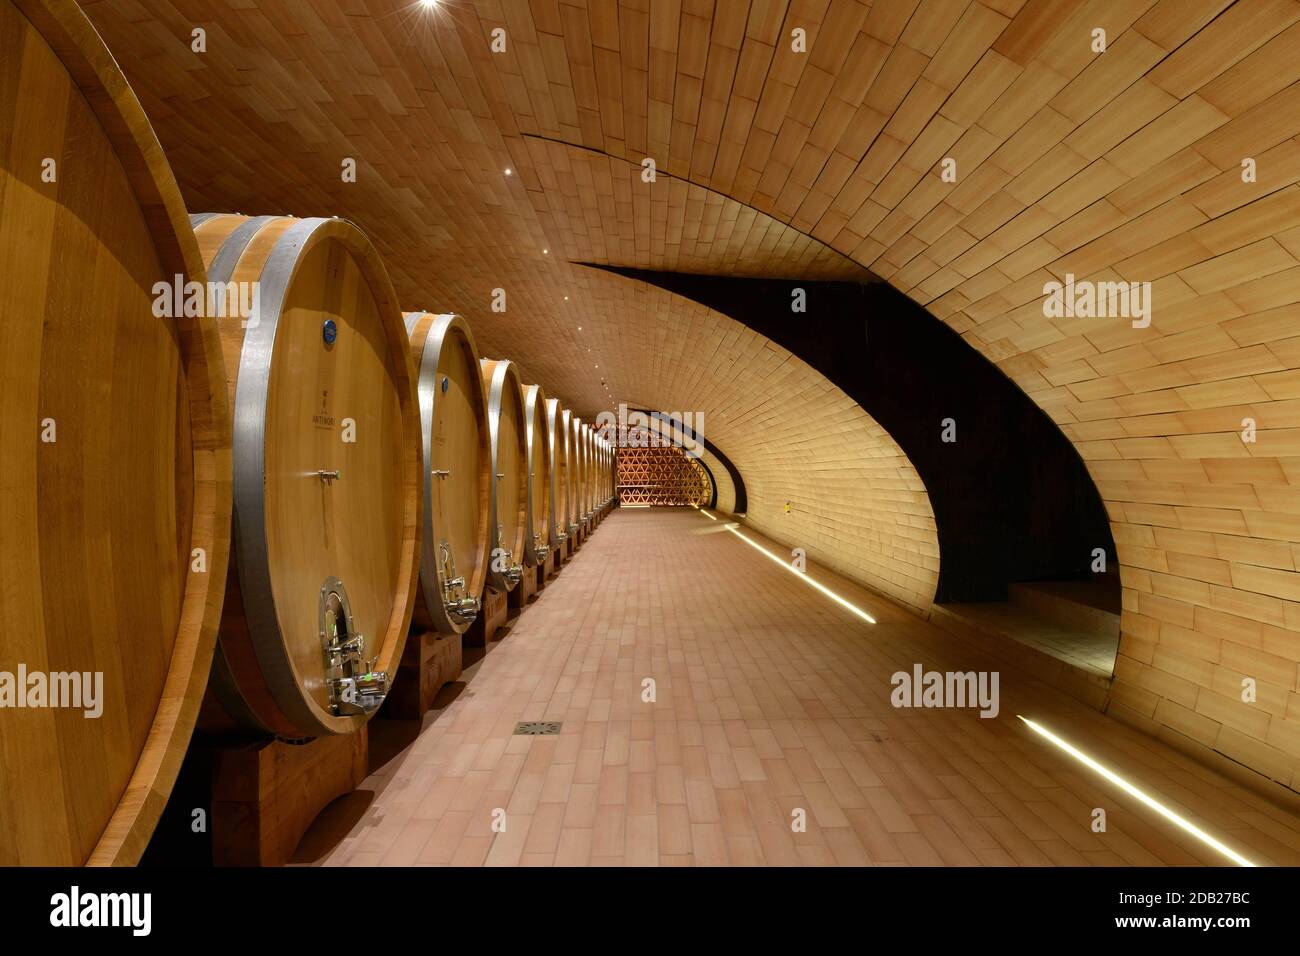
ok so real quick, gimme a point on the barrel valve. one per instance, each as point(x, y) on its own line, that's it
point(459, 605)
point(440, 473)
point(355, 687)
point(359, 694)
point(329, 476)
point(539, 549)
point(342, 651)
point(465, 610)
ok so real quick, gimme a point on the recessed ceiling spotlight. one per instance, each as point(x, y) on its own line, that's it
point(546, 252)
point(566, 298)
point(428, 4)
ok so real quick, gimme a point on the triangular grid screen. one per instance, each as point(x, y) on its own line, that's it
point(663, 475)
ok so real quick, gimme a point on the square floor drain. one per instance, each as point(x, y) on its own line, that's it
point(538, 728)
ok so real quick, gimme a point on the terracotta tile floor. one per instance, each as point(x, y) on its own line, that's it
point(769, 697)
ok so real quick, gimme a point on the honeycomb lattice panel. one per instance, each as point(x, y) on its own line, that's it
point(661, 476)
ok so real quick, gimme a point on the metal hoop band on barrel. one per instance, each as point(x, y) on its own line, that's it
point(446, 331)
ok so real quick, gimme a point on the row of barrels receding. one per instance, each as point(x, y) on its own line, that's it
point(220, 521)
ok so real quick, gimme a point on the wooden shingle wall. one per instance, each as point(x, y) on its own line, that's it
point(856, 502)
point(723, 486)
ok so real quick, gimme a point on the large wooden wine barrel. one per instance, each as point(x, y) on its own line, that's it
point(591, 471)
point(588, 470)
point(612, 474)
point(580, 465)
point(611, 455)
point(606, 466)
point(570, 476)
point(540, 507)
point(114, 455)
point(457, 465)
point(570, 473)
point(327, 474)
point(591, 467)
point(603, 474)
point(597, 480)
point(508, 477)
point(579, 471)
point(600, 473)
point(557, 439)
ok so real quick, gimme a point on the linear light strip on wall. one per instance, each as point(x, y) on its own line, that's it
point(802, 575)
point(1142, 796)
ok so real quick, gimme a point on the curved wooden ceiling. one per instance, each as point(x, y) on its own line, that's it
point(600, 210)
point(1125, 164)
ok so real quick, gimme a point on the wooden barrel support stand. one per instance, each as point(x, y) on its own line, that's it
point(548, 569)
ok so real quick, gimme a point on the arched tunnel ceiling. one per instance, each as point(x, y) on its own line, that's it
point(1125, 164)
point(601, 210)
point(858, 504)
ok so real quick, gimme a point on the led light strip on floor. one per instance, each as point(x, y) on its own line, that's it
point(1145, 798)
point(802, 575)
point(1142, 796)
